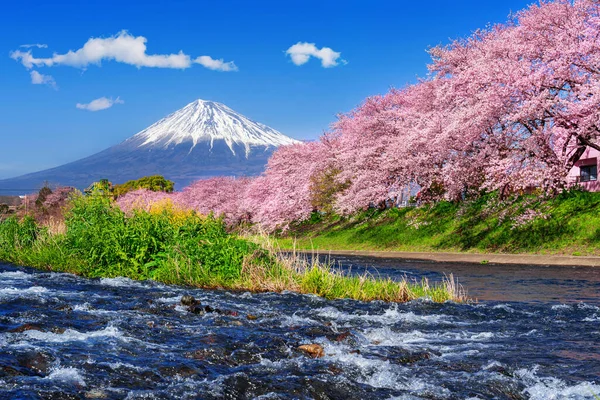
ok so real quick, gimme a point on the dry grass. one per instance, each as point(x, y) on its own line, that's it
point(304, 273)
point(55, 225)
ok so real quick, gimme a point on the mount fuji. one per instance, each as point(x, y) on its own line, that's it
point(202, 139)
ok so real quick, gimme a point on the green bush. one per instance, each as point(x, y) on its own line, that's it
point(181, 247)
point(156, 183)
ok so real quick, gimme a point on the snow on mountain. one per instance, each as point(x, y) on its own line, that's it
point(202, 139)
point(207, 121)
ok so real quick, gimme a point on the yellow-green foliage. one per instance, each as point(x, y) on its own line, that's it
point(177, 215)
point(178, 246)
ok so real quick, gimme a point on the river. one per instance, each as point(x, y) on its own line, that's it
point(534, 333)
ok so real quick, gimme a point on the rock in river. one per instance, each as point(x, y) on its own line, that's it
point(314, 350)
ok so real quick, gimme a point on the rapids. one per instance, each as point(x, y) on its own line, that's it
point(66, 337)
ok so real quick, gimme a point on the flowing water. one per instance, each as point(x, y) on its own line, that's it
point(533, 334)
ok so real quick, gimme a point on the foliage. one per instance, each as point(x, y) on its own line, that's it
point(155, 183)
point(176, 246)
point(102, 187)
point(566, 224)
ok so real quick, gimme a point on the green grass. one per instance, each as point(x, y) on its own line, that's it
point(181, 247)
point(567, 224)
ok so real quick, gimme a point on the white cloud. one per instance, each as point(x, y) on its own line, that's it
point(38, 45)
point(217, 65)
point(41, 79)
point(99, 104)
point(302, 51)
point(123, 47)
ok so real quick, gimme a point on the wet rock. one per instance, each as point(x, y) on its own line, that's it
point(66, 308)
point(317, 331)
point(197, 310)
point(244, 357)
point(58, 396)
point(324, 390)
point(187, 300)
point(130, 377)
point(96, 394)
point(251, 317)
point(314, 350)
point(332, 369)
point(58, 330)
point(209, 309)
point(6, 370)
point(272, 347)
point(26, 327)
point(239, 386)
point(180, 370)
point(414, 357)
point(342, 336)
point(35, 361)
point(214, 355)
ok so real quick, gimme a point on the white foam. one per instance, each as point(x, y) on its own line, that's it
point(585, 306)
point(11, 292)
point(388, 337)
point(561, 307)
point(295, 320)
point(169, 300)
point(71, 335)
point(504, 307)
point(550, 388)
point(390, 316)
point(120, 282)
point(82, 307)
point(492, 364)
point(118, 365)
point(379, 373)
point(593, 318)
point(66, 375)
point(14, 275)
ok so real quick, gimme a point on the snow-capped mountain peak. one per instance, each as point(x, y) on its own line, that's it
point(209, 121)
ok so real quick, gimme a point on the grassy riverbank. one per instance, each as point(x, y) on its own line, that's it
point(567, 224)
point(174, 246)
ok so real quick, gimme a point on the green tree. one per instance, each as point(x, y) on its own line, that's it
point(155, 183)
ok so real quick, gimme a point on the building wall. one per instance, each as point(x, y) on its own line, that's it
point(590, 157)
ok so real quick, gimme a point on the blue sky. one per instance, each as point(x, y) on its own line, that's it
point(383, 44)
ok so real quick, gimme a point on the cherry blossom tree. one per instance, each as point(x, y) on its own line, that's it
point(220, 195)
point(283, 193)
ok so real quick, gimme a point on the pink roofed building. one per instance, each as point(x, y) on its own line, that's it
point(585, 171)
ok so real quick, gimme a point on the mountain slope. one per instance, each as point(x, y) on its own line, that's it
point(200, 140)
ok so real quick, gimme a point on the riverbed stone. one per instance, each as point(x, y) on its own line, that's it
point(182, 371)
point(26, 327)
point(314, 350)
point(187, 300)
point(35, 361)
point(6, 370)
point(96, 394)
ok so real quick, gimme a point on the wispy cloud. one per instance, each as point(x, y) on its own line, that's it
point(217, 65)
point(123, 48)
point(301, 52)
point(41, 79)
point(38, 45)
point(99, 104)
